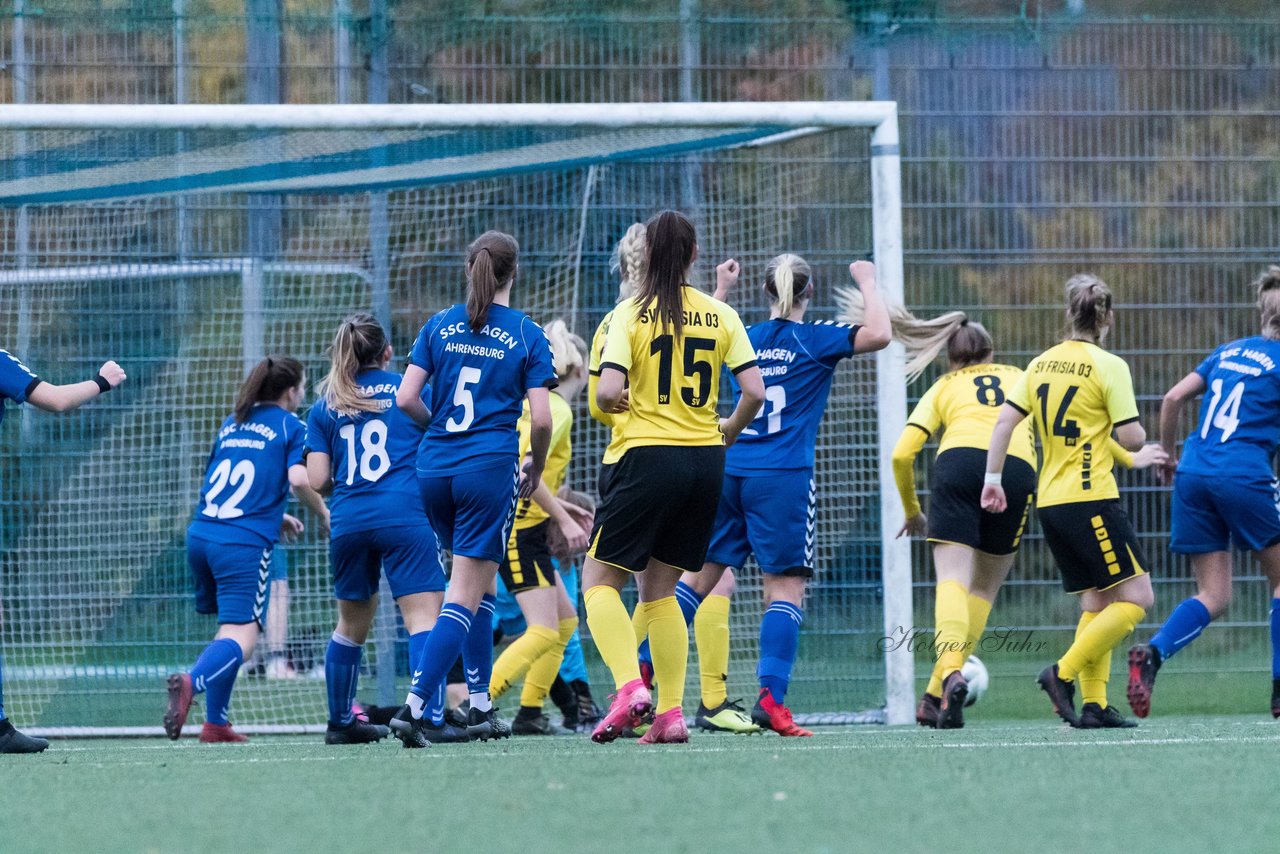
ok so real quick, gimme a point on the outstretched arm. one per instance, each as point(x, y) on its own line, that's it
point(62, 398)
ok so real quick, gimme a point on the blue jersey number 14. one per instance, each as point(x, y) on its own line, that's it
point(1226, 419)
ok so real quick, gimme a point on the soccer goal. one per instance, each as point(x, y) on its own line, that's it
point(188, 241)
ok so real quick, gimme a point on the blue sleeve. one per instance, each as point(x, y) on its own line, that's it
point(1206, 367)
point(16, 379)
point(830, 342)
point(317, 435)
point(296, 441)
point(540, 371)
point(421, 355)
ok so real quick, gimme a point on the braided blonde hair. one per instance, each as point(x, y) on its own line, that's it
point(629, 260)
point(1268, 285)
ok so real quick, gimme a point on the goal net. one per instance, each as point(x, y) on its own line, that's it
point(187, 242)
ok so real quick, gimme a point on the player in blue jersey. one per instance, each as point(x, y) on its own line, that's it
point(257, 457)
point(1225, 489)
point(364, 448)
point(483, 359)
point(20, 385)
point(768, 503)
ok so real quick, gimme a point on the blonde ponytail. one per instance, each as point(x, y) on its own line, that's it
point(1268, 285)
point(357, 345)
point(786, 279)
point(629, 260)
point(966, 343)
point(568, 351)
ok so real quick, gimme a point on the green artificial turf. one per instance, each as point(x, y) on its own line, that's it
point(1174, 784)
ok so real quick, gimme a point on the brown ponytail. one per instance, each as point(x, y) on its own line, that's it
point(491, 265)
point(1268, 285)
point(1088, 306)
point(358, 345)
point(269, 379)
point(671, 239)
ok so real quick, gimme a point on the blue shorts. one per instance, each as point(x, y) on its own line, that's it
point(472, 513)
point(410, 556)
point(771, 515)
point(230, 579)
point(1210, 512)
point(279, 565)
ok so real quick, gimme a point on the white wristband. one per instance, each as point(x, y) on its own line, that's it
point(993, 478)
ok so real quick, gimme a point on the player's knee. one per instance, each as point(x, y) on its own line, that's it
point(784, 588)
point(1216, 600)
point(726, 586)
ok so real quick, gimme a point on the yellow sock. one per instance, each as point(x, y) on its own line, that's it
point(979, 611)
point(711, 633)
point(951, 621)
point(1101, 635)
point(1093, 677)
point(537, 682)
point(669, 643)
point(518, 657)
point(612, 632)
point(640, 624)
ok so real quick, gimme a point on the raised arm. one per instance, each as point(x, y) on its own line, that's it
point(726, 277)
point(62, 398)
point(876, 332)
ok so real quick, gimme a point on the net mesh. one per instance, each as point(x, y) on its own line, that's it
point(185, 286)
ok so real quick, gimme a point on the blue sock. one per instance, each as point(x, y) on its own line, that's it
point(440, 650)
point(435, 706)
point(341, 672)
point(215, 673)
point(1185, 624)
point(1275, 641)
point(477, 653)
point(689, 600)
point(2, 689)
point(779, 640)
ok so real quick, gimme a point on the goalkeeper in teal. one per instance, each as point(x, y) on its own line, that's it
point(20, 385)
point(768, 503)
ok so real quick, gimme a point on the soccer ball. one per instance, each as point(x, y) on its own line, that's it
point(975, 673)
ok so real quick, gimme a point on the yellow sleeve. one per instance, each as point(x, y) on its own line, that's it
point(561, 422)
point(1019, 397)
point(926, 415)
point(1119, 453)
point(593, 371)
point(904, 458)
point(617, 345)
point(739, 351)
point(523, 428)
point(1117, 390)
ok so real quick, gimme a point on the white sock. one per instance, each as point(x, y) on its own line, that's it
point(481, 702)
point(417, 705)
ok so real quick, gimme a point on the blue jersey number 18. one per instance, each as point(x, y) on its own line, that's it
point(373, 460)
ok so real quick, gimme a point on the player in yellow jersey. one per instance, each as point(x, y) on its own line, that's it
point(527, 571)
point(973, 551)
point(669, 344)
point(1077, 394)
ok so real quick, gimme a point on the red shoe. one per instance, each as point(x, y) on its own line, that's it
point(180, 694)
point(667, 728)
point(626, 711)
point(220, 734)
point(770, 714)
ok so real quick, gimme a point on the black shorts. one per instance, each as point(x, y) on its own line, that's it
point(955, 502)
point(659, 502)
point(1093, 543)
point(528, 563)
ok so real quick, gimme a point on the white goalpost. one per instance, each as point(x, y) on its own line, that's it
point(199, 238)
